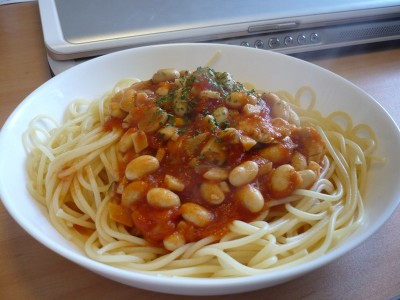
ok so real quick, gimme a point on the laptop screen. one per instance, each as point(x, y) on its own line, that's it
point(85, 21)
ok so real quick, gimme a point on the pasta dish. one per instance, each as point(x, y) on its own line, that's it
point(192, 173)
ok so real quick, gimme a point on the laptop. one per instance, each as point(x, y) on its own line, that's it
point(75, 30)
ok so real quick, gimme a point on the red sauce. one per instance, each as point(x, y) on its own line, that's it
point(155, 224)
point(186, 160)
point(112, 123)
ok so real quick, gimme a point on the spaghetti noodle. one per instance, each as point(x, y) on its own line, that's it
point(139, 180)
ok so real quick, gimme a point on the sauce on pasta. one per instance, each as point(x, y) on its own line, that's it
point(213, 143)
point(193, 174)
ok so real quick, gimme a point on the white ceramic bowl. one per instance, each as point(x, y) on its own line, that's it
point(266, 70)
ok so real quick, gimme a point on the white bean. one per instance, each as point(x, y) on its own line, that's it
point(276, 153)
point(299, 161)
point(282, 109)
point(243, 173)
point(141, 166)
point(212, 193)
point(283, 181)
point(314, 166)
point(280, 180)
point(251, 198)
point(174, 241)
point(196, 214)
point(174, 183)
point(133, 192)
point(308, 178)
point(163, 198)
point(165, 75)
point(216, 174)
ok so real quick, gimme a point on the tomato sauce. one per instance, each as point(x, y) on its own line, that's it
point(112, 123)
point(203, 141)
point(155, 224)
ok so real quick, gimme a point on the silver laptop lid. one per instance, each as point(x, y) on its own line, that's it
point(79, 28)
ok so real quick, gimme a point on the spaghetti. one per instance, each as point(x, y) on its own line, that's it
point(191, 174)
